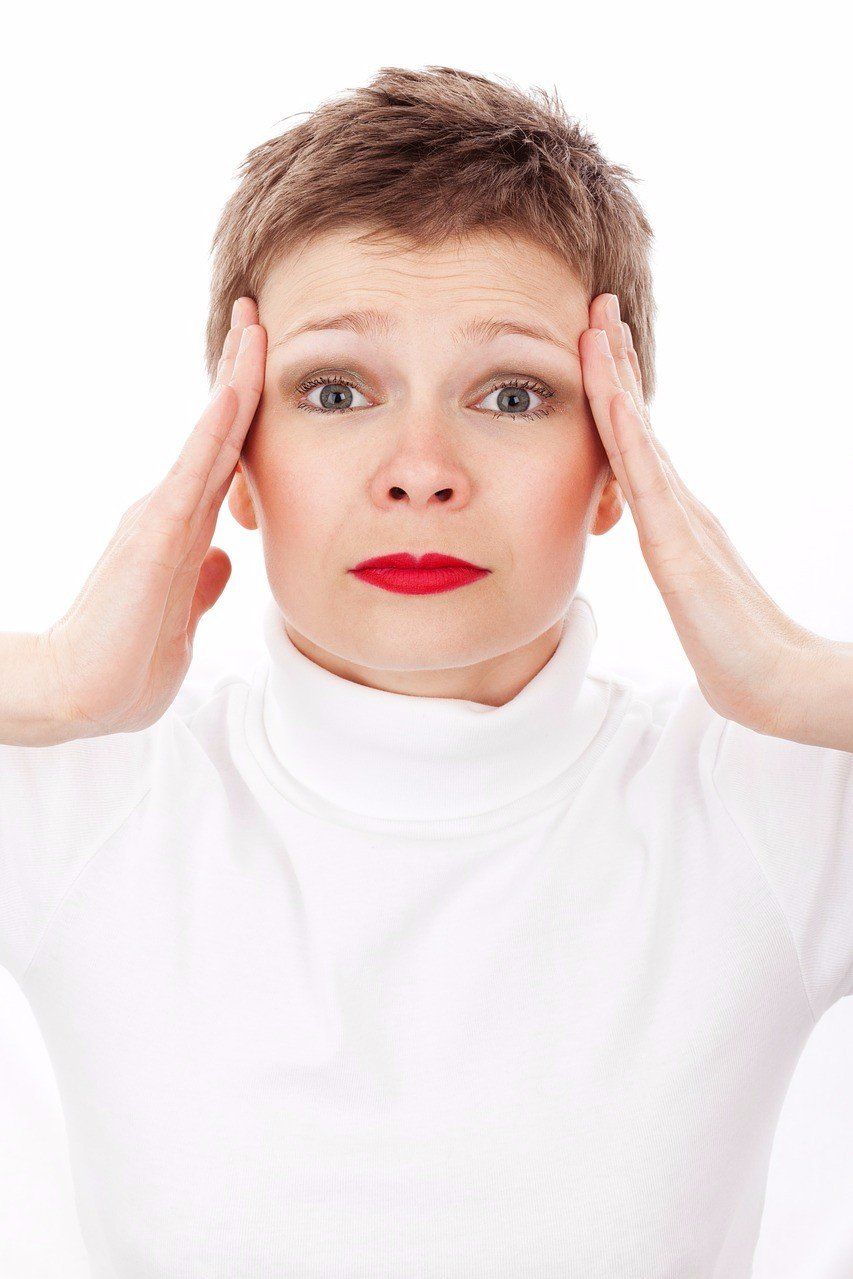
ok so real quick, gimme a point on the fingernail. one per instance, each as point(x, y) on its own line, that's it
point(601, 339)
point(234, 312)
point(244, 338)
point(612, 309)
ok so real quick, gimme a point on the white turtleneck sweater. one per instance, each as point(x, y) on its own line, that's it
point(339, 983)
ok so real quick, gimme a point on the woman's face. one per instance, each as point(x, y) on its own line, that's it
point(418, 427)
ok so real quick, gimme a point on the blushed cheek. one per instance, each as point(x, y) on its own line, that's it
point(305, 526)
point(289, 516)
point(290, 541)
point(280, 479)
point(556, 505)
point(561, 526)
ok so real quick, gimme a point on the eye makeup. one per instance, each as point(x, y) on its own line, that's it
point(496, 380)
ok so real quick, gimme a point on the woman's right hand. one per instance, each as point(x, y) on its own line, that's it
point(120, 654)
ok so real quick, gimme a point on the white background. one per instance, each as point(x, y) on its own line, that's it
point(123, 134)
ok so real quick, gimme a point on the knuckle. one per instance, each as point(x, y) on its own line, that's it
point(655, 488)
point(134, 509)
point(618, 344)
point(256, 383)
point(185, 473)
point(166, 510)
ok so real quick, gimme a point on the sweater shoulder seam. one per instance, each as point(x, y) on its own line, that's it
point(87, 861)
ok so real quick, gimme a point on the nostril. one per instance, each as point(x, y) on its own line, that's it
point(397, 492)
point(444, 494)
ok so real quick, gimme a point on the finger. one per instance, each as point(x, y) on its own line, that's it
point(229, 348)
point(212, 580)
point(629, 373)
point(165, 521)
point(634, 360)
point(630, 376)
point(604, 314)
point(200, 581)
point(178, 611)
point(249, 310)
point(182, 504)
point(673, 522)
point(247, 380)
point(601, 383)
point(223, 448)
point(662, 523)
point(628, 369)
point(243, 312)
point(633, 456)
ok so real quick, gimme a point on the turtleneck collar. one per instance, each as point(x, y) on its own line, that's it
point(393, 757)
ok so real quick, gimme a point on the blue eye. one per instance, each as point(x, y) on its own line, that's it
point(514, 399)
point(335, 397)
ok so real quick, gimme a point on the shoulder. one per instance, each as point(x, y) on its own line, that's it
point(60, 805)
point(659, 723)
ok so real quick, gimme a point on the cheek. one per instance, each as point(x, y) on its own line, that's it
point(300, 495)
point(296, 510)
point(552, 498)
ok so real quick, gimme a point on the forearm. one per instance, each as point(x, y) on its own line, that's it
point(30, 702)
point(821, 696)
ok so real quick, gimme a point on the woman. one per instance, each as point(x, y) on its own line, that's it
point(426, 950)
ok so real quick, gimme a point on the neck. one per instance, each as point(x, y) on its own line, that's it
point(491, 682)
point(370, 755)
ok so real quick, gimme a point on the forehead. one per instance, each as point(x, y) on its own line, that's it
point(442, 285)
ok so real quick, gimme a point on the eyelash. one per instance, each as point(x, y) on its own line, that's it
point(527, 384)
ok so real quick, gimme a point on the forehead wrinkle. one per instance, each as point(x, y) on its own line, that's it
point(371, 322)
point(366, 322)
point(485, 329)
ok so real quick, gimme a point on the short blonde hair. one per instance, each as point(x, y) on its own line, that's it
point(427, 155)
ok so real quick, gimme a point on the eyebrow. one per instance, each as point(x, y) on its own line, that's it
point(370, 322)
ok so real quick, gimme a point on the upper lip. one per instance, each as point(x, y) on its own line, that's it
point(402, 559)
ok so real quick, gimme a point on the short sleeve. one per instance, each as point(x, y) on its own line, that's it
point(58, 806)
point(793, 804)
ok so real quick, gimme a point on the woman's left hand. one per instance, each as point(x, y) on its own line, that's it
point(749, 657)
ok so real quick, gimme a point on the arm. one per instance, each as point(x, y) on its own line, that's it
point(754, 665)
point(31, 706)
point(822, 714)
point(117, 658)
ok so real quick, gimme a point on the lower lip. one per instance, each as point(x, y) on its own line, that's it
point(420, 581)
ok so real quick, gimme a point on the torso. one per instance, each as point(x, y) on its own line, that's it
point(560, 1050)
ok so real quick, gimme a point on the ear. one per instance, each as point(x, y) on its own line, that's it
point(611, 504)
point(240, 501)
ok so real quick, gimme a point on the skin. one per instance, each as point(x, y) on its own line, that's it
point(523, 494)
point(521, 498)
point(328, 489)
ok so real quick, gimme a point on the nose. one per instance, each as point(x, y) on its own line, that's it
point(425, 481)
point(443, 495)
point(420, 486)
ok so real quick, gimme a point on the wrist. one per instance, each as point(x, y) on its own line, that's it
point(33, 708)
point(822, 694)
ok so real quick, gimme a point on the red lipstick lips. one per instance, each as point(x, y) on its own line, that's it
point(408, 575)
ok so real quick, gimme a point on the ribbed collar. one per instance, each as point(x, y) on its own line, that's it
point(395, 757)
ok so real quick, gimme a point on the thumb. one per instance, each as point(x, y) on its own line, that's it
point(212, 579)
